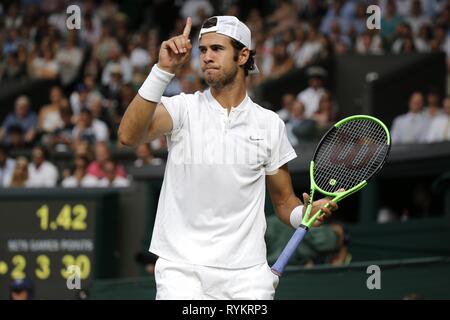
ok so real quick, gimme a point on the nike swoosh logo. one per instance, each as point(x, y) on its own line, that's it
point(255, 139)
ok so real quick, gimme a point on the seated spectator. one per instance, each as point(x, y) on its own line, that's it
point(325, 244)
point(50, 115)
point(19, 177)
point(433, 108)
point(411, 127)
point(299, 128)
point(440, 126)
point(69, 59)
point(17, 137)
point(80, 177)
point(324, 117)
point(14, 68)
point(390, 21)
point(102, 156)
point(42, 173)
point(6, 167)
point(145, 157)
point(45, 65)
point(112, 179)
point(118, 63)
point(286, 106)
point(307, 53)
point(282, 63)
point(62, 137)
point(23, 118)
point(89, 129)
point(83, 95)
point(310, 97)
point(99, 112)
point(369, 43)
point(21, 289)
point(111, 90)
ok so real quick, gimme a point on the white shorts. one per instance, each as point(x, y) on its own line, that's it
point(182, 281)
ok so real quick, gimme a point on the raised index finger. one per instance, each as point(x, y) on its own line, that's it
point(187, 28)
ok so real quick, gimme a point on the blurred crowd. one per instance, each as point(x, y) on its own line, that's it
point(98, 69)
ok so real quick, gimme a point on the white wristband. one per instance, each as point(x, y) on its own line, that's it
point(156, 83)
point(296, 216)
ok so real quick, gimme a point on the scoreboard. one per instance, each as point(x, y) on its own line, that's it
point(60, 239)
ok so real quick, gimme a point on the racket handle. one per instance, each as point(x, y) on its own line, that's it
point(289, 250)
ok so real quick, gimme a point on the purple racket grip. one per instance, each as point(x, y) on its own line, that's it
point(288, 251)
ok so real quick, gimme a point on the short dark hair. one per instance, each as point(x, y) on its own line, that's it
point(237, 46)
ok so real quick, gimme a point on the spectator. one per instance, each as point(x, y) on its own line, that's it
point(45, 65)
point(50, 115)
point(6, 167)
point(102, 156)
point(282, 63)
point(89, 129)
point(440, 126)
point(286, 106)
point(80, 176)
point(42, 173)
point(324, 117)
point(390, 21)
point(369, 43)
point(21, 289)
point(433, 108)
point(310, 50)
point(325, 244)
point(111, 90)
point(84, 94)
point(118, 63)
point(310, 97)
point(145, 157)
point(300, 129)
point(69, 59)
point(417, 18)
point(112, 179)
point(411, 127)
point(22, 118)
point(19, 177)
point(62, 137)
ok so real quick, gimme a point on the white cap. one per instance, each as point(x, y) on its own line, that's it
point(233, 28)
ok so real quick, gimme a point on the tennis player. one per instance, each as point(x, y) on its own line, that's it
point(223, 148)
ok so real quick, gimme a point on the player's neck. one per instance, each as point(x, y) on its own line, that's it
point(231, 95)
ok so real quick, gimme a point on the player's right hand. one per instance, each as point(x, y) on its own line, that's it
point(176, 51)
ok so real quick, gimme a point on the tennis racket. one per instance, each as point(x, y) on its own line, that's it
point(348, 155)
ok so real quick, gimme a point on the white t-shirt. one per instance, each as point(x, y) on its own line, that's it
point(311, 98)
point(98, 131)
point(44, 176)
point(88, 181)
point(439, 129)
point(211, 206)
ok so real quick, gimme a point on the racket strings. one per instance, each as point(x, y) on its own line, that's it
point(344, 140)
point(350, 154)
point(349, 136)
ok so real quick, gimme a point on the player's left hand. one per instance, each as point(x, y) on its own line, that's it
point(320, 205)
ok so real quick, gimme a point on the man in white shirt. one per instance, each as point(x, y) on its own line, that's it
point(223, 147)
point(440, 126)
point(6, 167)
point(310, 97)
point(411, 127)
point(41, 173)
point(90, 129)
